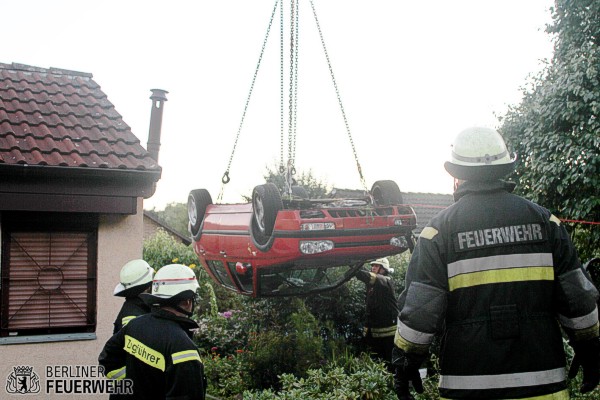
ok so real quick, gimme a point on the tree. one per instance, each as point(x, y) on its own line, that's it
point(314, 187)
point(555, 130)
point(174, 216)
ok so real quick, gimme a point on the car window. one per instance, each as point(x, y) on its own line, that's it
point(287, 280)
point(244, 280)
point(218, 270)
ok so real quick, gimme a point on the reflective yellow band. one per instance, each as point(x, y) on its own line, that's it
point(187, 355)
point(409, 347)
point(501, 276)
point(555, 220)
point(383, 332)
point(562, 395)
point(373, 278)
point(116, 374)
point(125, 320)
point(144, 353)
point(428, 233)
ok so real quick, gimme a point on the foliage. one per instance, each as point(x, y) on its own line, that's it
point(227, 375)
point(555, 130)
point(161, 249)
point(315, 187)
point(225, 333)
point(357, 378)
point(293, 346)
point(175, 216)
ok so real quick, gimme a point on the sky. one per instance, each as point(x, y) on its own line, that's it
point(410, 75)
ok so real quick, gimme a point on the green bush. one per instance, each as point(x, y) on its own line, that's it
point(227, 375)
point(350, 378)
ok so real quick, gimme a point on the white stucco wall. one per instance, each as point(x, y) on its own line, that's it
point(119, 240)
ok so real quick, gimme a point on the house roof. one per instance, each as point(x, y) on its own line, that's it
point(426, 206)
point(55, 117)
point(152, 217)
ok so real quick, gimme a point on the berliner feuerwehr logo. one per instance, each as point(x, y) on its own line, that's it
point(23, 380)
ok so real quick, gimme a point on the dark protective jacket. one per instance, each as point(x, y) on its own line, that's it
point(132, 307)
point(381, 307)
point(157, 353)
point(496, 275)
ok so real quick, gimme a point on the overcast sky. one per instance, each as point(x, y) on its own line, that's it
point(410, 74)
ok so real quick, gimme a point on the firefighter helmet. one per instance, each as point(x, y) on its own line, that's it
point(135, 277)
point(172, 283)
point(384, 263)
point(479, 154)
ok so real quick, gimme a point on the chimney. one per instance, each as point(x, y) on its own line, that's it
point(158, 98)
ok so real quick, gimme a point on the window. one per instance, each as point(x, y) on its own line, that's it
point(48, 274)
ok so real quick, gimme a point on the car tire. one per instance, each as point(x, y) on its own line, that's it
point(198, 200)
point(386, 193)
point(299, 191)
point(266, 203)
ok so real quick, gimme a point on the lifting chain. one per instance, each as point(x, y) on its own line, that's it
point(293, 96)
point(337, 92)
point(226, 177)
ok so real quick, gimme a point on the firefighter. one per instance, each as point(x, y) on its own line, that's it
point(155, 351)
point(496, 276)
point(381, 309)
point(135, 278)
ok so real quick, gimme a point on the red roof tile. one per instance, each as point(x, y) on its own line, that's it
point(57, 117)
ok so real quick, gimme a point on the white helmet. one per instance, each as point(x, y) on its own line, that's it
point(136, 275)
point(384, 263)
point(479, 154)
point(173, 280)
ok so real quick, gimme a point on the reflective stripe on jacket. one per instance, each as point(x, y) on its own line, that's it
point(156, 352)
point(132, 307)
point(381, 304)
point(496, 274)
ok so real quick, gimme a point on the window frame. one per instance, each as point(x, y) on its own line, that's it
point(35, 223)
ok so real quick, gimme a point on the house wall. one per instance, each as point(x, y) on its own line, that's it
point(119, 240)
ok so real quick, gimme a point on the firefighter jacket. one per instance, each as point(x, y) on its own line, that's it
point(157, 353)
point(382, 308)
point(496, 276)
point(132, 307)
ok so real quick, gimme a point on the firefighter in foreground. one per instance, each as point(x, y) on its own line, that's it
point(381, 309)
point(135, 279)
point(155, 350)
point(497, 276)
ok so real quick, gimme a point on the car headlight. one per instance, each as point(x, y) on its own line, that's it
point(317, 226)
point(315, 246)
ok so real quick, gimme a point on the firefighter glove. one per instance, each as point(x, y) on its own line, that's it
point(587, 356)
point(406, 372)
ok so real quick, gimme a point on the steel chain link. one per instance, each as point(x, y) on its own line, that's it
point(226, 177)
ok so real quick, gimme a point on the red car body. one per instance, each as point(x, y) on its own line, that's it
point(236, 255)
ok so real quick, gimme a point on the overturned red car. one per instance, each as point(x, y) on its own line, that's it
point(292, 245)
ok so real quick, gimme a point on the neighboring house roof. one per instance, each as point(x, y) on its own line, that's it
point(426, 206)
point(64, 147)
point(56, 117)
point(152, 217)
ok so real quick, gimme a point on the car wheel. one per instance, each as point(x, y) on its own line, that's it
point(299, 191)
point(266, 203)
point(198, 200)
point(386, 193)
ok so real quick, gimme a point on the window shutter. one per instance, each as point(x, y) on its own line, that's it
point(51, 281)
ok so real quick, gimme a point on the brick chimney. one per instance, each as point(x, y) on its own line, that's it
point(158, 98)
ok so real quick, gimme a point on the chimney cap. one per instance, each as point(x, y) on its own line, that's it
point(159, 94)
